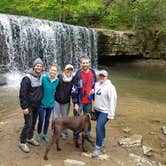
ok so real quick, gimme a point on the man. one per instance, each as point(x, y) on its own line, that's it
point(30, 96)
point(83, 85)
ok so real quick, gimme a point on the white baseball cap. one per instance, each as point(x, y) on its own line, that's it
point(102, 73)
point(69, 66)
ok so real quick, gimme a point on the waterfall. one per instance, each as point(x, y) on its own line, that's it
point(22, 39)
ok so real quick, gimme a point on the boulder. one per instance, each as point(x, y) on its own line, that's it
point(69, 162)
point(2, 80)
point(134, 140)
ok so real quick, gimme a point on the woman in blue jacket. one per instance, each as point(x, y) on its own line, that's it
point(50, 82)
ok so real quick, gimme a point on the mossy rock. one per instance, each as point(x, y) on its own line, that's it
point(2, 80)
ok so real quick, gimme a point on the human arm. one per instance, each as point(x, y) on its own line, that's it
point(23, 94)
point(112, 96)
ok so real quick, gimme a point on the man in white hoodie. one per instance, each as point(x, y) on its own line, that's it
point(104, 104)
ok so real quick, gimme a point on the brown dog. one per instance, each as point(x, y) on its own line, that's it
point(79, 124)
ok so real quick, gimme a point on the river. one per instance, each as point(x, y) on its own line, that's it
point(144, 80)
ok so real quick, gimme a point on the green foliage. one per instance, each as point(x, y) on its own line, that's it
point(115, 14)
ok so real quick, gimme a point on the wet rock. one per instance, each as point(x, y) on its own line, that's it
point(163, 129)
point(3, 68)
point(134, 140)
point(147, 150)
point(69, 162)
point(2, 80)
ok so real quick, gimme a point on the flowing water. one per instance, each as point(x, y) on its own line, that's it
point(22, 39)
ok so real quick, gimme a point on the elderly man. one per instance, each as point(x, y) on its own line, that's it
point(30, 96)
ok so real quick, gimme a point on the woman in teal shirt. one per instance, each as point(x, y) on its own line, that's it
point(50, 82)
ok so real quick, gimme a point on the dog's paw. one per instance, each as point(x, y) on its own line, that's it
point(59, 149)
point(45, 158)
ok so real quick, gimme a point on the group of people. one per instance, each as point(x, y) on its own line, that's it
point(40, 95)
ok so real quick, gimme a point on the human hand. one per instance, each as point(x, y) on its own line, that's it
point(25, 111)
point(76, 107)
point(110, 117)
point(92, 91)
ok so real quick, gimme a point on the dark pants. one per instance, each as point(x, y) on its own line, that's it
point(44, 116)
point(85, 108)
point(29, 124)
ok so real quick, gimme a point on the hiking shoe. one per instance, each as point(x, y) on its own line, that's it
point(24, 147)
point(32, 141)
point(39, 137)
point(45, 137)
point(96, 153)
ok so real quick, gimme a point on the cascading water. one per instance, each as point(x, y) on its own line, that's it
point(22, 39)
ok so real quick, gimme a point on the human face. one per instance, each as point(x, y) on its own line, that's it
point(85, 64)
point(102, 78)
point(69, 72)
point(38, 68)
point(53, 72)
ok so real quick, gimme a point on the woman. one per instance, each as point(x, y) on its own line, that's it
point(104, 104)
point(62, 95)
point(50, 82)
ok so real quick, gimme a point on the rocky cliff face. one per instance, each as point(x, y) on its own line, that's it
point(115, 43)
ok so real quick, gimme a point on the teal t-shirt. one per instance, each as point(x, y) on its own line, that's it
point(49, 89)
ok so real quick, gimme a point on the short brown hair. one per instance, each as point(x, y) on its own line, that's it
point(84, 57)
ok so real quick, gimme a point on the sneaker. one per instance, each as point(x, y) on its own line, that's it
point(45, 137)
point(32, 141)
point(39, 137)
point(96, 153)
point(64, 136)
point(24, 147)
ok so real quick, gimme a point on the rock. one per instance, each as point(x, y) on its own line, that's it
point(115, 43)
point(127, 130)
point(163, 129)
point(147, 150)
point(134, 140)
point(103, 157)
point(100, 157)
point(142, 161)
point(2, 80)
point(163, 144)
point(89, 155)
point(69, 162)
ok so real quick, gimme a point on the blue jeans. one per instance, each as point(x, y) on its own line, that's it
point(44, 116)
point(100, 127)
point(85, 108)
